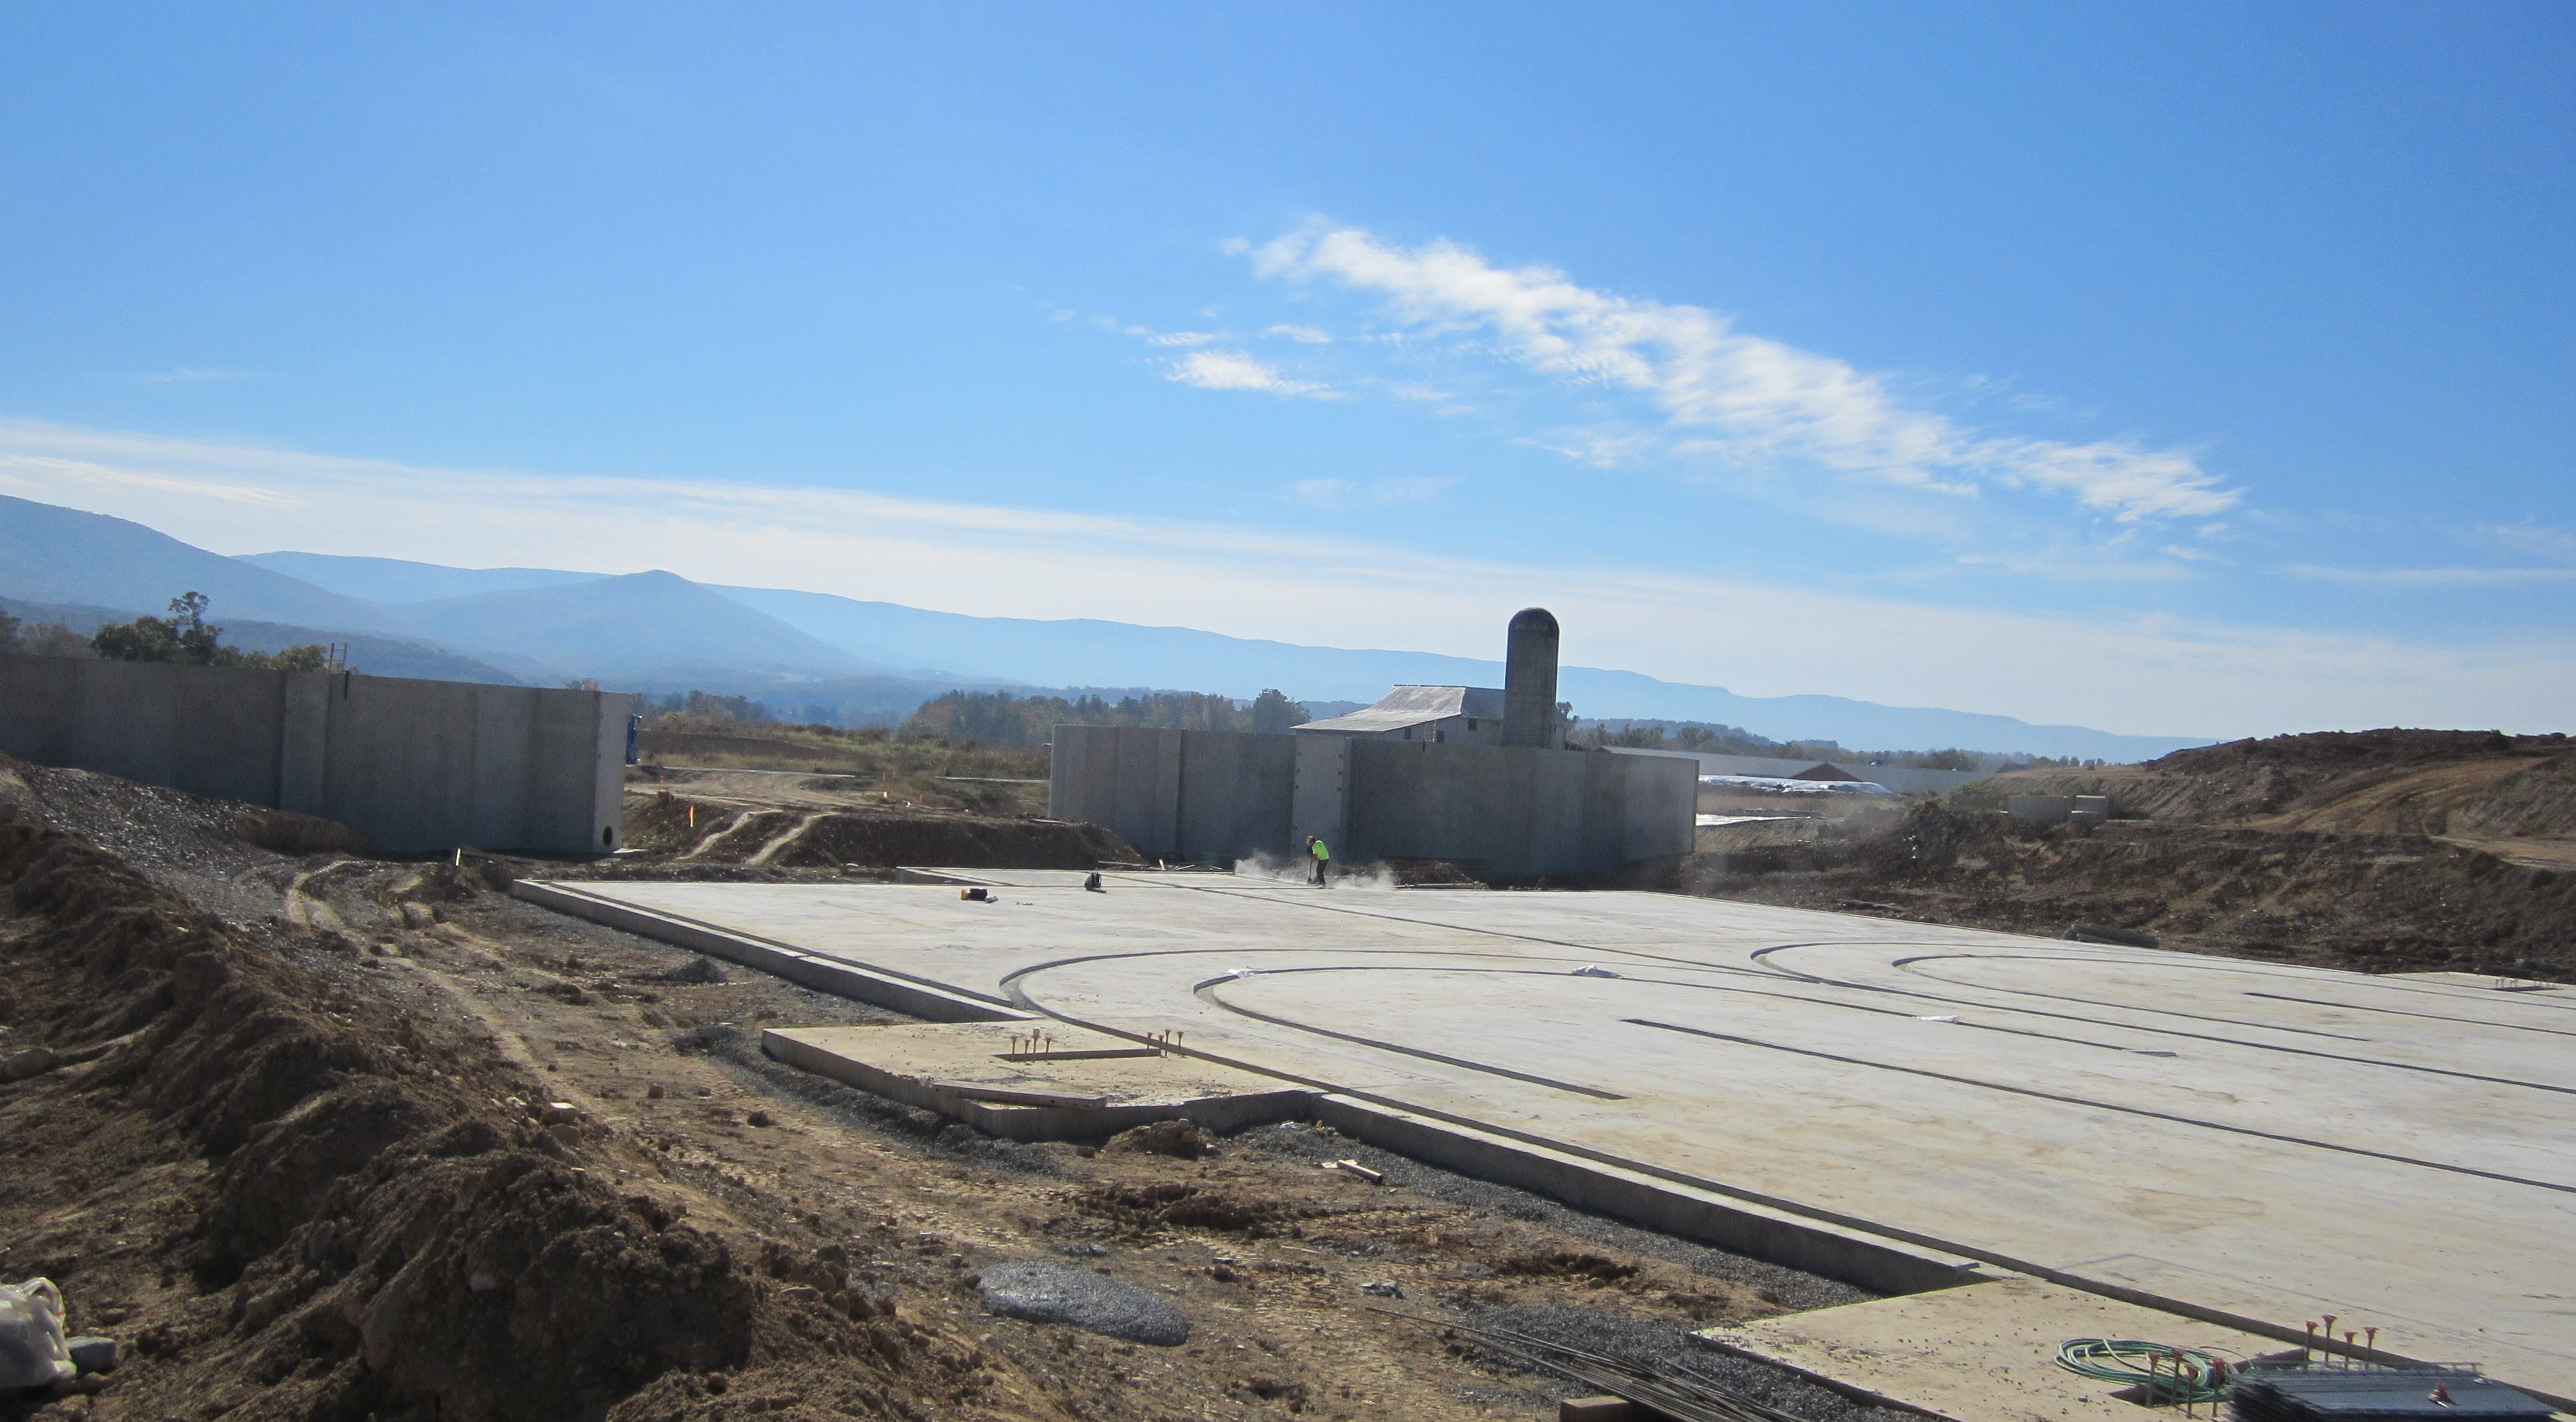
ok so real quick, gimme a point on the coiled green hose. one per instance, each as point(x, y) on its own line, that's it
point(2130, 1362)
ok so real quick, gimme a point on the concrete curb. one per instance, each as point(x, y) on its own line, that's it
point(912, 998)
point(1870, 1261)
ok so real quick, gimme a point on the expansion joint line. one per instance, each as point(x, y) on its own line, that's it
point(2038, 1095)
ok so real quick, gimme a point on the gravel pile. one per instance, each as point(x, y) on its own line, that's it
point(1041, 1291)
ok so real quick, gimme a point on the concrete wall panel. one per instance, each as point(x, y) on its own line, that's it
point(1206, 795)
point(422, 766)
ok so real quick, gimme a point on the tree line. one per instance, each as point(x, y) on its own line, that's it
point(997, 718)
point(184, 637)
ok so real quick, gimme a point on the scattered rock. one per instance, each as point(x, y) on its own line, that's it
point(1043, 1292)
point(27, 1062)
point(1384, 1290)
point(696, 970)
point(92, 1353)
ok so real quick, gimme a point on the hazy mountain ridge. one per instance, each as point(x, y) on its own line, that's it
point(807, 653)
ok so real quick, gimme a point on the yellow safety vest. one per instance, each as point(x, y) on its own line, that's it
point(1321, 852)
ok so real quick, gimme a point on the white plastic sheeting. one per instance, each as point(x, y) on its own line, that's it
point(32, 1351)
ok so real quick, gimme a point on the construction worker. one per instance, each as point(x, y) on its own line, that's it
point(1322, 857)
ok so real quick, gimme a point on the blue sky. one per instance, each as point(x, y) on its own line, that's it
point(2172, 369)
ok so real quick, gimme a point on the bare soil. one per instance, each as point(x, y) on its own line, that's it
point(2384, 851)
point(333, 1137)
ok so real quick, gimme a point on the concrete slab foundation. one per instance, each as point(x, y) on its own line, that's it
point(1081, 1084)
point(2248, 1144)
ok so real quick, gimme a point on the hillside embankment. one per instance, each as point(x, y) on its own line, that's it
point(322, 1136)
point(2385, 851)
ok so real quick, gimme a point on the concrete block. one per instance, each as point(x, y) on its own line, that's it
point(2047, 809)
point(1604, 1408)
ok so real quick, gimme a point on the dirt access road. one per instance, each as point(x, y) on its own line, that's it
point(331, 1137)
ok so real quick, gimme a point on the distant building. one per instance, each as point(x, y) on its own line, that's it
point(1904, 780)
point(1452, 715)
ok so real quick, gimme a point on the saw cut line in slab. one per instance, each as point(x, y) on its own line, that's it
point(1207, 992)
point(1908, 965)
point(1592, 949)
point(2106, 1023)
point(2403, 1012)
point(2089, 1104)
point(2244, 1042)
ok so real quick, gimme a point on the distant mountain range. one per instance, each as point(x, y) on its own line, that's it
point(819, 657)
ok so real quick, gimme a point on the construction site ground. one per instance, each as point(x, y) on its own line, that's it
point(324, 1136)
point(2379, 851)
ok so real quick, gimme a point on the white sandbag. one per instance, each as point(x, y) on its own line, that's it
point(32, 1352)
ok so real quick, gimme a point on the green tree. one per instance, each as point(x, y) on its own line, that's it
point(1273, 713)
point(187, 638)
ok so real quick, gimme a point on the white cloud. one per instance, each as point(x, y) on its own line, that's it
point(2152, 676)
point(1344, 493)
point(2533, 540)
point(1184, 338)
point(1732, 395)
point(2068, 568)
point(1234, 370)
point(1302, 335)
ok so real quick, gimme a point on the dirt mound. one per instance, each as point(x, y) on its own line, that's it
point(876, 838)
point(2371, 782)
point(314, 1214)
point(1144, 1209)
point(951, 841)
point(2384, 903)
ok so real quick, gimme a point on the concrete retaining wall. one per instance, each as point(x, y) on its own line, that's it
point(1214, 795)
point(1192, 795)
point(1514, 810)
point(420, 766)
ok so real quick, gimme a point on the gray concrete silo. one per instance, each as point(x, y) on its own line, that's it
point(1529, 680)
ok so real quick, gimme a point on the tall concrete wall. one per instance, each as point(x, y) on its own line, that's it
point(421, 766)
point(1511, 810)
point(1212, 795)
point(1193, 795)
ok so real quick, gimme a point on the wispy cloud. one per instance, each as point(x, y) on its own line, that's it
point(1302, 335)
point(1184, 338)
point(2071, 568)
point(2432, 577)
point(1345, 493)
point(1234, 370)
point(1728, 394)
point(196, 374)
point(2532, 540)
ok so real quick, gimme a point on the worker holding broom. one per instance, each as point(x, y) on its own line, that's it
point(1322, 856)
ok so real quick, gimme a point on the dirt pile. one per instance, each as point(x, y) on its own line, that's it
point(2366, 782)
point(2382, 903)
point(662, 826)
point(296, 1203)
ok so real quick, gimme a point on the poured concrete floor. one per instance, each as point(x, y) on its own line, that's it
point(2268, 1143)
